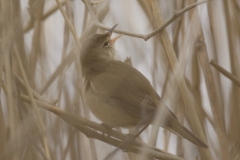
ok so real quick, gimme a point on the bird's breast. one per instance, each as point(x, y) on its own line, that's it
point(110, 115)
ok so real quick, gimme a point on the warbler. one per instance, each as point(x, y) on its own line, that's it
point(118, 94)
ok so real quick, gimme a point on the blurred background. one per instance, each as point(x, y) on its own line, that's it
point(35, 33)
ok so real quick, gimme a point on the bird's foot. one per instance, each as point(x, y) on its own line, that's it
point(127, 144)
point(107, 129)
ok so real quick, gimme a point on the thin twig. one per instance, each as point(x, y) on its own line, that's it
point(230, 76)
point(77, 56)
point(215, 104)
point(33, 102)
point(30, 23)
point(68, 60)
point(92, 129)
point(70, 26)
point(97, 2)
point(178, 72)
point(21, 85)
point(147, 36)
point(36, 42)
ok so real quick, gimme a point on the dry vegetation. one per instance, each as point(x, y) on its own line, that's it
point(193, 64)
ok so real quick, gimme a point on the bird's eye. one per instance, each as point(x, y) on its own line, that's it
point(106, 44)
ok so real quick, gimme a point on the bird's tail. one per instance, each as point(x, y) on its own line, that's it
point(178, 129)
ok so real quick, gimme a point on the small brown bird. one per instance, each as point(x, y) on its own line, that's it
point(115, 91)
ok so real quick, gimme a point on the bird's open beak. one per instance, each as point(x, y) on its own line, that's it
point(111, 30)
point(110, 33)
point(115, 38)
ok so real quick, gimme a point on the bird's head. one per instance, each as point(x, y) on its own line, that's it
point(99, 46)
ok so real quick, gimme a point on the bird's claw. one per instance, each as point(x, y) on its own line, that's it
point(128, 142)
point(107, 129)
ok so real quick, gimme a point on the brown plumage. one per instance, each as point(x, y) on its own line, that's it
point(115, 91)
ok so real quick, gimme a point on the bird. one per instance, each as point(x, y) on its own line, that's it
point(118, 94)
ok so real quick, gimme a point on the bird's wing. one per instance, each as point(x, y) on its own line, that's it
point(123, 86)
